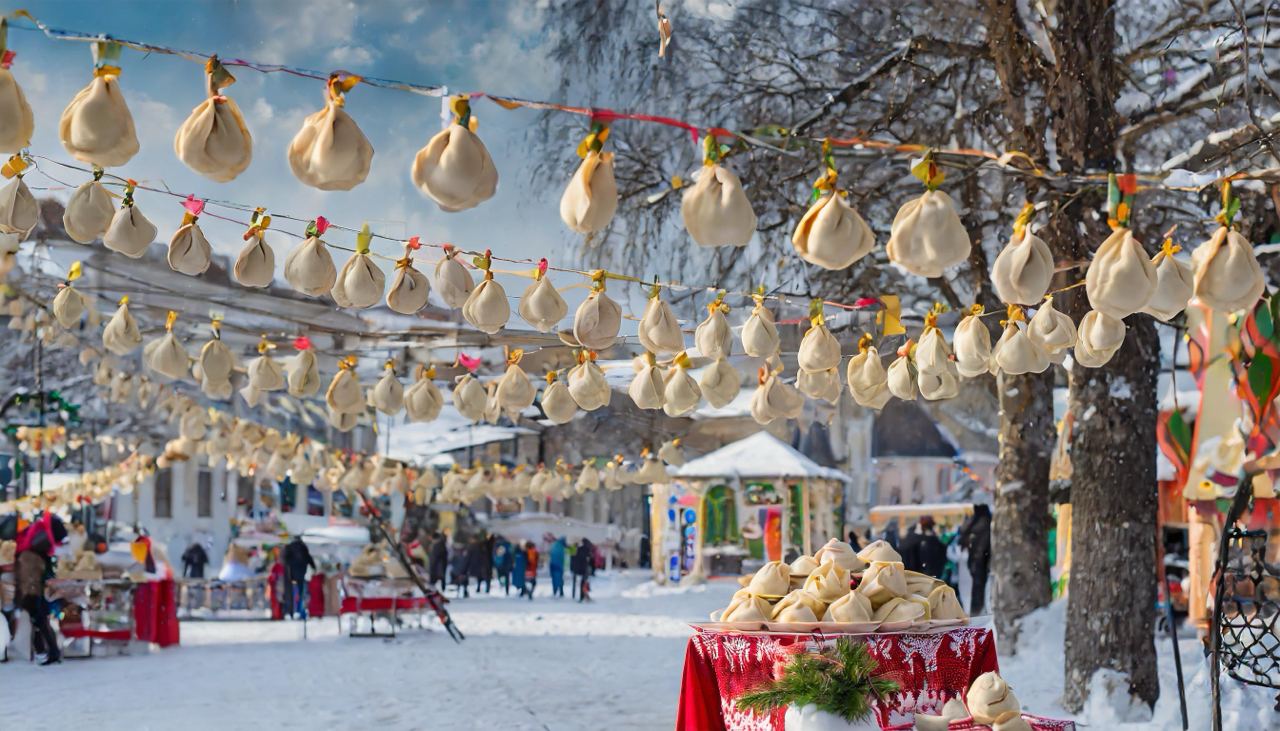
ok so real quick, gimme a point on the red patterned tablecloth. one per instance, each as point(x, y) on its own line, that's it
point(929, 667)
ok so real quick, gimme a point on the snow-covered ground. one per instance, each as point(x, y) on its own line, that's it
point(547, 664)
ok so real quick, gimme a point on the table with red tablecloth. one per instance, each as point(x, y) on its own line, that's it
point(930, 668)
point(155, 612)
point(151, 608)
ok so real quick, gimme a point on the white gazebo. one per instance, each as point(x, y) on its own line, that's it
point(742, 499)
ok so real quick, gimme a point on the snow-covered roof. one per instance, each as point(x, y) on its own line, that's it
point(412, 441)
point(759, 455)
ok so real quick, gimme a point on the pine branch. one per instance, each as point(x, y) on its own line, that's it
point(840, 680)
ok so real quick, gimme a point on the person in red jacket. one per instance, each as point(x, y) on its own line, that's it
point(530, 569)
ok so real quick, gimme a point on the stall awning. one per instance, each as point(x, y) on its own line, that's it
point(760, 455)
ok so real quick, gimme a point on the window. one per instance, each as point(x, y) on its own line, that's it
point(164, 494)
point(204, 494)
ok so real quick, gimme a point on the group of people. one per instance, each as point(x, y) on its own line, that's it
point(927, 551)
point(515, 564)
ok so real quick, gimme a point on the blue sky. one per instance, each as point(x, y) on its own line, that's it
point(495, 47)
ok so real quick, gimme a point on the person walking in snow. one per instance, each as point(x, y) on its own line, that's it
point(458, 570)
point(584, 566)
point(297, 559)
point(194, 559)
point(530, 569)
point(502, 563)
point(438, 560)
point(922, 550)
point(555, 566)
point(479, 562)
point(519, 561)
point(975, 537)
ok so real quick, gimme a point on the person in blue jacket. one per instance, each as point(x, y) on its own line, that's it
point(502, 559)
point(555, 563)
point(518, 564)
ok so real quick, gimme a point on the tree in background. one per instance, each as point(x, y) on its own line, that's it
point(1080, 87)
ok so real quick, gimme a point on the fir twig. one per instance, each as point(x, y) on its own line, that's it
point(840, 680)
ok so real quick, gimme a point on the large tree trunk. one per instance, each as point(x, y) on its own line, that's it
point(1019, 528)
point(1110, 617)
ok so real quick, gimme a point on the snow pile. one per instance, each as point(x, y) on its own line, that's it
point(1036, 674)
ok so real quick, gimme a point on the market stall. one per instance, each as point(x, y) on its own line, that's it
point(756, 498)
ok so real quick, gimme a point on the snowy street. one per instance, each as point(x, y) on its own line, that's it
point(546, 664)
point(550, 664)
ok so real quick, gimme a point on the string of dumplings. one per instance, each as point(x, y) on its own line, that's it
point(1003, 160)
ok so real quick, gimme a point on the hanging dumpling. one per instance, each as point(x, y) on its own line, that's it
point(16, 121)
point(647, 387)
point(713, 335)
point(1023, 270)
point(265, 372)
point(68, 306)
point(1052, 330)
point(820, 385)
point(96, 127)
point(130, 233)
point(720, 383)
point(256, 264)
point(469, 398)
point(1175, 285)
point(832, 235)
point(819, 349)
point(189, 251)
point(1120, 279)
point(868, 381)
point(774, 399)
point(487, 308)
point(973, 345)
point(453, 281)
point(216, 361)
point(303, 374)
point(309, 267)
point(659, 330)
point(901, 376)
point(454, 168)
point(715, 209)
point(1227, 276)
point(927, 236)
point(387, 395)
point(409, 287)
point(330, 152)
point(19, 211)
point(344, 395)
point(88, 213)
point(759, 333)
point(932, 354)
point(515, 392)
point(1098, 338)
point(121, 335)
point(672, 453)
point(597, 320)
point(589, 202)
point(557, 402)
point(360, 283)
point(166, 356)
point(214, 140)
point(1017, 352)
point(680, 394)
point(423, 400)
point(541, 305)
point(588, 385)
point(939, 384)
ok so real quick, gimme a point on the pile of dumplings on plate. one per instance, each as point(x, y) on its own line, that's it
point(816, 590)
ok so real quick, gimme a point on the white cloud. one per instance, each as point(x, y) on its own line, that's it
point(354, 56)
